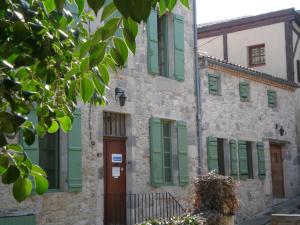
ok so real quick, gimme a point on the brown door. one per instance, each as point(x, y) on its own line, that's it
point(115, 181)
point(277, 171)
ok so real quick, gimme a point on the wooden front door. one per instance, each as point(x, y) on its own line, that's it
point(115, 181)
point(277, 171)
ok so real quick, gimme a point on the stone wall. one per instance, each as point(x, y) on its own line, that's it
point(147, 96)
point(225, 116)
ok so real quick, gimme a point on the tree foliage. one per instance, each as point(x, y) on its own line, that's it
point(49, 61)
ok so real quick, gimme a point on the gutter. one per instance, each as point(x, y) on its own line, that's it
point(197, 89)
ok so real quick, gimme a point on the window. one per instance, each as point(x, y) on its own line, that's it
point(245, 159)
point(215, 155)
point(162, 151)
point(114, 124)
point(213, 84)
point(167, 151)
point(165, 45)
point(256, 55)
point(272, 98)
point(49, 158)
point(59, 154)
point(298, 70)
point(244, 91)
point(162, 29)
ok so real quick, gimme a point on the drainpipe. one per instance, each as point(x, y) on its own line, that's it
point(197, 90)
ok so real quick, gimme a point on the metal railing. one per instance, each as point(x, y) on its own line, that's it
point(130, 209)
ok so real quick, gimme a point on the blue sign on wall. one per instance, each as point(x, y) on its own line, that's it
point(116, 158)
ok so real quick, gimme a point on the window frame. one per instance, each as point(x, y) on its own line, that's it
point(162, 39)
point(274, 94)
point(250, 55)
point(221, 156)
point(218, 80)
point(169, 123)
point(249, 159)
point(57, 159)
point(247, 85)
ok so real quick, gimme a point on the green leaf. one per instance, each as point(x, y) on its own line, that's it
point(120, 50)
point(84, 49)
point(185, 3)
point(54, 127)
point(87, 89)
point(65, 123)
point(97, 54)
point(110, 28)
point(130, 40)
point(131, 25)
point(171, 4)
point(84, 65)
point(29, 136)
point(80, 5)
point(36, 169)
point(15, 147)
point(3, 140)
point(10, 175)
point(95, 5)
point(49, 5)
point(4, 162)
point(100, 87)
point(59, 4)
point(108, 11)
point(41, 184)
point(6, 123)
point(22, 189)
point(104, 74)
point(162, 7)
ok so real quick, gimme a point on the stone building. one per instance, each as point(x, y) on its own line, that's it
point(114, 154)
point(249, 132)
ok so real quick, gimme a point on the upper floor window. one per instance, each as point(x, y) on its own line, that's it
point(214, 84)
point(272, 98)
point(256, 55)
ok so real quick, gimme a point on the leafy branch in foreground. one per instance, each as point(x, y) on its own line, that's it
point(48, 61)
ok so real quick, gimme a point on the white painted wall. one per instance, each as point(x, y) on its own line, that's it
point(212, 45)
point(271, 35)
point(297, 54)
point(274, 39)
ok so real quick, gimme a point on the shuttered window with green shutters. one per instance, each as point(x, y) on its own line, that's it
point(163, 50)
point(272, 98)
point(233, 159)
point(244, 91)
point(212, 154)
point(182, 153)
point(178, 47)
point(156, 152)
point(213, 84)
point(18, 220)
point(46, 151)
point(161, 152)
point(243, 159)
point(152, 37)
point(75, 155)
point(261, 160)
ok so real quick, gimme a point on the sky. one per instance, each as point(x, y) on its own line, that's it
point(214, 10)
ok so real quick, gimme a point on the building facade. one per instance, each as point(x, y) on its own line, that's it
point(249, 132)
point(147, 146)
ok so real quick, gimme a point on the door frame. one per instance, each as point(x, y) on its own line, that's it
point(282, 168)
point(112, 138)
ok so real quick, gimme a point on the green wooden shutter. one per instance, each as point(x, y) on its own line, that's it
point(212, 154)
point(165, 46)
point(261, 160)
point(213, 84)
point(32, 150)
point(233, 158)
point(244, 91)
point(272, 98)
point(178, 47)
point(75, 154)
point(182, 153)
point(156, 152)
point(18, 220)
point(152, 51)
point(243, 160)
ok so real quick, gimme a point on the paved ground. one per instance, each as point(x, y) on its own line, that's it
point(287, 206)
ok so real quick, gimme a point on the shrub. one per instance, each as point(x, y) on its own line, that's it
point(215, 197)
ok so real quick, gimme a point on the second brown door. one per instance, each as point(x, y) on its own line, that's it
point(277, 171)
